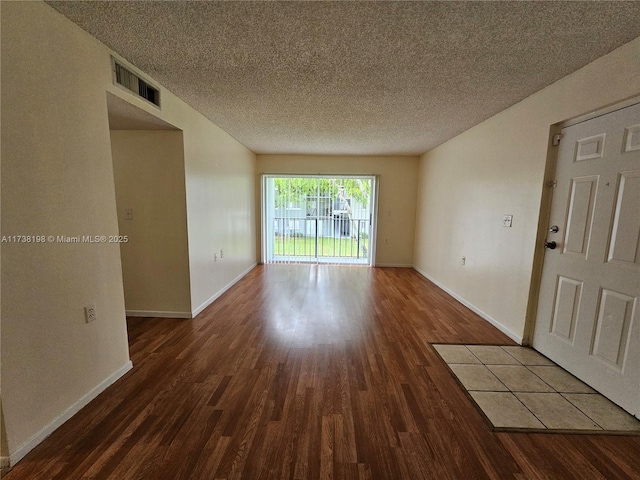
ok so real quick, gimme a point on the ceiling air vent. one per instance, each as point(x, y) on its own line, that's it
point(132, 82)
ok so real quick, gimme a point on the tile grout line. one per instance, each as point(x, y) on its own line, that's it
point(555, 390)
point(485, 366)
point(600, 428)
point(518, 398)
point(562, 393)
point(582, 411)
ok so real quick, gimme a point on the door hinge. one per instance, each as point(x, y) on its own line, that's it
point(556, 140)
point(552, 183)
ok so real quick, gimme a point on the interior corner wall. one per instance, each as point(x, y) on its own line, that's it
point(467, 184)
point(57, 184)
point(397, 194)
point(219, 176)
point(220, 181)
point(57, 179)
point(148, 167)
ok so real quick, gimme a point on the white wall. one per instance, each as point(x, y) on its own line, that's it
point(57, 179)
point(496, 168)
point(220, 177)
point(397, 195)
point(148, 167)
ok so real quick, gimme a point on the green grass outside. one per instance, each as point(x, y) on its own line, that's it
point(327, 247)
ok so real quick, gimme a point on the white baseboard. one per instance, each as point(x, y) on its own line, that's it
point(22, 450)
point(159, 314)
point(472, 307)
point(393, 265)
point(208, 302)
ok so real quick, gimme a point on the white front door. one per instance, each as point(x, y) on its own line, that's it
point(588, 310)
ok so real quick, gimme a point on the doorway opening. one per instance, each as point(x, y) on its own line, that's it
point(318, 219)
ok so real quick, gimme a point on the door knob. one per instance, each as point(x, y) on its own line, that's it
point(550, 245)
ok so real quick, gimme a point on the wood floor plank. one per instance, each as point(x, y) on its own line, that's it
point(310, 372)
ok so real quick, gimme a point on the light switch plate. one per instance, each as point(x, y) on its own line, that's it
point(506, 220)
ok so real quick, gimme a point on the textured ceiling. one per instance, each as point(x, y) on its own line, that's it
point(355, 77)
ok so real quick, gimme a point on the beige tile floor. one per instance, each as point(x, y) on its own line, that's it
point(517, 388)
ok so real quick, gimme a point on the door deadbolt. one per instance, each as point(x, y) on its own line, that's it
point(554, 229)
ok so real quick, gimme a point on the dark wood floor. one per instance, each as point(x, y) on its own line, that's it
point(306, 372)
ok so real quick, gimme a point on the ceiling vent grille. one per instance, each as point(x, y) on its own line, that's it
point(132, 82)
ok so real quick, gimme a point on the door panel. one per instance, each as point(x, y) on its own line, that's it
point(612, 327)
point(625, 231)
point(579, 214)
point(632, 138)
point(590, 148)
point(587, 308)
point(565, 311)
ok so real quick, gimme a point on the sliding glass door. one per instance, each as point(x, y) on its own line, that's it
point(319, 219)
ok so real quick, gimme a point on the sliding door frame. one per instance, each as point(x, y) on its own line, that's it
point(375, 188)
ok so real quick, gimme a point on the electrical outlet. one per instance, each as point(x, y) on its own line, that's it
point(90, 313)
point(506, 220)
point(221, 253)
point(463, 261)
